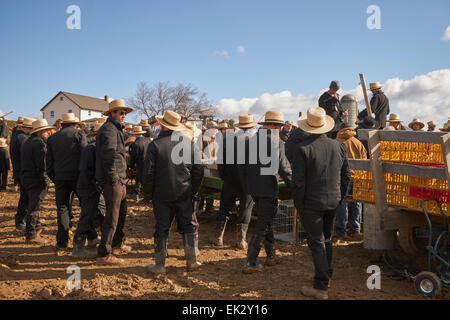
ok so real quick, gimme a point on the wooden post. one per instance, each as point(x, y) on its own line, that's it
point(295, 231)
point(446, 155)
point(366, 97)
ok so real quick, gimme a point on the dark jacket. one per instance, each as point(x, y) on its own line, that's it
point(137, 151)
point(296, 136)
point(17, 141)
point(33, 167)
point(380, 106)
point(228, 168)
point(166, 181)
point(86, 184)
point(111, 164)
point(333, 108)
point(320, 174)
point(265, 184)
point(63, 153)
point(4, 160)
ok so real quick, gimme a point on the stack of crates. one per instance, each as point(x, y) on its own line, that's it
point(411, 152)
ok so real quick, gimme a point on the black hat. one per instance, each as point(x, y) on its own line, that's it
point(335, 85)
point(346, 125)
point(369, 123)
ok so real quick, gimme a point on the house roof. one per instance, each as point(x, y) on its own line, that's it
point(84, 102)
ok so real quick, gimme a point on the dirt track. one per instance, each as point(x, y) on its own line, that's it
point(32, 272)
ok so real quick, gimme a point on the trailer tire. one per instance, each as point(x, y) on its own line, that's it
point(406, 240)
point(428, 284)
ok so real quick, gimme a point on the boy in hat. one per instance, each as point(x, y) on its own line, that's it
point(137, 151)
point(262, 182)
point(171, 186)
point(4, 164)
point(110, 173)
point(63, 161)
point(92, 202)
point(431, 126)
point(320, 177)
point(329, 101)
point(34, 178)
point(17, 141)
point(416, 125)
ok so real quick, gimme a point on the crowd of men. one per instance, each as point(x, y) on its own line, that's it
point(311, 158)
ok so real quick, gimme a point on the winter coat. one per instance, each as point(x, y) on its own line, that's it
point(33, 164)
point(137, 152)
point(86, 184)
point(296, 136)
point(355, 148)
point(4, 160)
point(17, 140)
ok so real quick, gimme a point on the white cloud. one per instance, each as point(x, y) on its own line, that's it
point(426, 97)
point(241, 49)
point(446, 36)
point(221, 53)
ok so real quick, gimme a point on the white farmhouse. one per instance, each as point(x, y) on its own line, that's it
point(83, 107)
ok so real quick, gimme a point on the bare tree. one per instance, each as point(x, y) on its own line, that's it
point(183, 99)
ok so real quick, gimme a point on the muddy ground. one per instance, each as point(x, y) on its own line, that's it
point(32, 272)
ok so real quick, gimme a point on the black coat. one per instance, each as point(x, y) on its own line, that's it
point(4, 160)
point(17, 140)
point(33, 163)
point(265, 184)
point(380, 106)
point(111, 165)
point(332, 107)
point(228, 168)
point(320, 174)
point(63, 153)
point(86, 184)
point(166, 181)
point(137, 151)
point(296, 137)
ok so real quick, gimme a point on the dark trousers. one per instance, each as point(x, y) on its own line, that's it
point(116, 211)
point(267, 209)
point(182, 211)
point(63, 191)
point(3, 179)
point(318, 226)
point(22, 206)
point(230, 190)
point(137, 185)
point(35, 197)
point(90, 209)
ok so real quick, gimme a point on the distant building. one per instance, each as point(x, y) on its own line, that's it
point(83, 107)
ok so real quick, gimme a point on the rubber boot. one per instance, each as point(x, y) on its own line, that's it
point(241, 236)
point(79, 250)
point(254, 248)
point(160, 257)
point(217, 239)
point(272, 258)
point(191, 249)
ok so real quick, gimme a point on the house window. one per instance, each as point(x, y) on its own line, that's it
point(61, 98)
point(89, 112)
point(52, 114)
point(70, 111)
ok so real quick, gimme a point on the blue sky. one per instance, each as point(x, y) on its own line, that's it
point(289, 45)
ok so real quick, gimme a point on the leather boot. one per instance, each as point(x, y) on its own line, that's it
point(191, 249)
point(241, 236)
point(254, 247)
point(79, 250)
point(272, 258)
point(160, 257)
point(217, 239)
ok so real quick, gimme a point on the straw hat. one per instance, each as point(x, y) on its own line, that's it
point(211, 125)
point(190, 129)
point(316, 121)
point(69, 118)
point(81, 124)
point(28, 122)
point(375, 86)
point(416, 121)
point(138, 130)
point(171, 120)
point(275, 117)
point(3, 143)
point(246, 121)
point(223, 125)
point(19, 120)
point(431, 123)
point(97, 126)
point(144, 123)
point(129, 126)
point(394, 117)
point(446, 127)
point(118, 104)
point(39, 125)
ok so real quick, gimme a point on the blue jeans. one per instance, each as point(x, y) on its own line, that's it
point(351, 211)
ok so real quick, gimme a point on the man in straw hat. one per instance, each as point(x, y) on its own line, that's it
point(4, 164)
point(128, 131)
point(63, 161)
point(416, 125)
point(234, 184)
point(431, 126)
point(320, 177)
point(17, 126)
point(171, 186)
point(92, 202)
point(137, 152)
point(262, 183)
point(110, 173)
point(17, 141)
point(379, 104)
point(395, 121)
point(33, 174)
point(329, 101)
